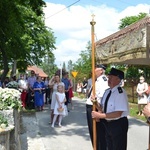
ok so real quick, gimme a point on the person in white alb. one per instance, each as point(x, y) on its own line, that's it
point(141, 89)
point(113, 111)
point(101, 84)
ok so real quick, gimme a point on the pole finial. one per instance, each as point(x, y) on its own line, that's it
point(93, 17)
point(93, 22)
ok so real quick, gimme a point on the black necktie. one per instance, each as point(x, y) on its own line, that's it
point(106, 101)
point(89, 94)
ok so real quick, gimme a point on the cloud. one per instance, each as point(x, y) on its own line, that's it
point(72, 26)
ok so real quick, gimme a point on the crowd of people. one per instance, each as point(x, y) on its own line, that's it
point(110, 100)
point(36, 91)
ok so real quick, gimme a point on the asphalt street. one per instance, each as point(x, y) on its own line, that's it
point(73, 135)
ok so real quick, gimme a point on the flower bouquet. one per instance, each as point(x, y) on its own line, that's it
point(9, 99)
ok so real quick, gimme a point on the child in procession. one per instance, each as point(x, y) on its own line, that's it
point(59, 109)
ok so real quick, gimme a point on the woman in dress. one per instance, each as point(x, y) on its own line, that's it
point(71, 93)
point(79, 88)
point(142, 87)
point(59, 109)
point(54, 82)
point(38, 88)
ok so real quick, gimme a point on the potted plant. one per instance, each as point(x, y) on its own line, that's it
point(10, 103)
point(9, 99)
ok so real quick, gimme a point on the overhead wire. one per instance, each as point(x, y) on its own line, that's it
point(95, 1)
point(63, 9)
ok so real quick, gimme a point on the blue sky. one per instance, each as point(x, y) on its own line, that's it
point(71, 25)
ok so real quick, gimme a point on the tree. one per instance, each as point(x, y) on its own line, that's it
point(84, 64)
point(124, 22)
point(64, 66)
point(24, 38)
point(48, 66)
point(70, 66)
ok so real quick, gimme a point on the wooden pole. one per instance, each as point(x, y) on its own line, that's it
point(149, 139)
point(93, 79)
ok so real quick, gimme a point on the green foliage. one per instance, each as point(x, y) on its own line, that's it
point(131, 19)
point(23, 34)
point(132, 72)
point(48, 66)
point(64, 66)
point(84, 64)
point(3, 120)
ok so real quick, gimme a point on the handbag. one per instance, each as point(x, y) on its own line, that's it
point(60, 109)
point(66, 110)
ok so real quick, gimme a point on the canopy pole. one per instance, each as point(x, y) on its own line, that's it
point(93, 79)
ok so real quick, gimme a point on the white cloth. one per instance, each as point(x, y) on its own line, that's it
point(101, 85)
point(23, 84)
point(53, 94)
point(140, 88)
point(118, 101)
point(61, 97)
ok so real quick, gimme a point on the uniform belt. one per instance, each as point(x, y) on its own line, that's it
point(108, 121)
point(89, 106)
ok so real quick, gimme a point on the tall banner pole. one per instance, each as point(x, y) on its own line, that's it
point(93, 79)
point(149, 139)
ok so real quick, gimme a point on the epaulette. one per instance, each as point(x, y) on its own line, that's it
point(104, 78)
point(120, 90)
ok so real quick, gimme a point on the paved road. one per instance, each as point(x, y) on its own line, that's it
point(74, 132)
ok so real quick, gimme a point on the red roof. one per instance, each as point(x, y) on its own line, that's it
point(38, 71)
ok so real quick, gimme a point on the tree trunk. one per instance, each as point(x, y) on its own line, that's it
point(5, 64)
point(14, 68)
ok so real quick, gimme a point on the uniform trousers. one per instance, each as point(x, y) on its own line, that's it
point(67, 98)
point(116, 133)
point(100, 130)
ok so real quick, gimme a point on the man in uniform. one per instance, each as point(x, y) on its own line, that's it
point(101, 85)
point(113, 111)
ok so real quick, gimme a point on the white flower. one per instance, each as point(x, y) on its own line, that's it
point(3, 126)
point(9, 98)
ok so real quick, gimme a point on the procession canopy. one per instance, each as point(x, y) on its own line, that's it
point(130, 45)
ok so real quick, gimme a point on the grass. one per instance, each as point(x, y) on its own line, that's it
point(134, 112)
point(28, 111)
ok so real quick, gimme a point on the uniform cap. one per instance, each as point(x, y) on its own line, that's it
point(101, 66)
point(116, 72)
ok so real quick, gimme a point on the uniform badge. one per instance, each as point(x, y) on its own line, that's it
point(120, 90)
point(104, 78)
